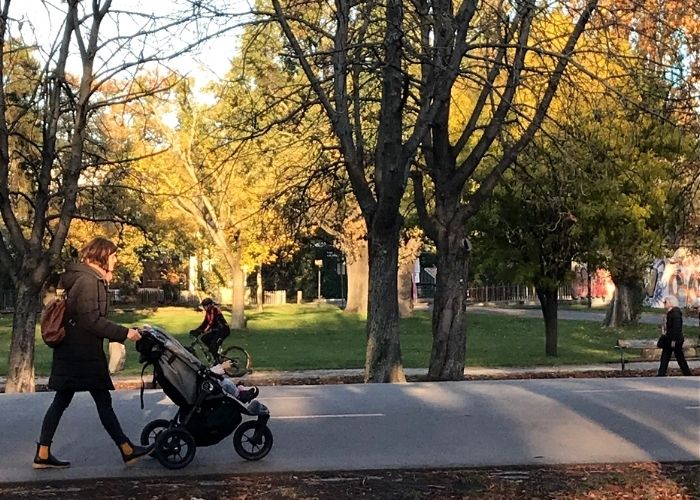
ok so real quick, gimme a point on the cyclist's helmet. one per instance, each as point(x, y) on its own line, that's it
point(207, 302)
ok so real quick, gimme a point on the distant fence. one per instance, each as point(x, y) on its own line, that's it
point(7, 300)
point(511, 293)
point(274, 297)
point(496, 293)
point(154, 297)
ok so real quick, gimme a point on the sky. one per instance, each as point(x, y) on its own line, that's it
point(41, 22)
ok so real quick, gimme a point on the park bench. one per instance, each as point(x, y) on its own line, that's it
point(689, 348)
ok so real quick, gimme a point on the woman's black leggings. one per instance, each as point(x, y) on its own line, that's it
point(103, 401)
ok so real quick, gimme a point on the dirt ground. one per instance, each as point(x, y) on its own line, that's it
point(619, 481)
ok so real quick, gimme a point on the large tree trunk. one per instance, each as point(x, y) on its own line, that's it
point(383, 360)
point(548, 296)
point(358, 284)
point(626, 305)
point(20, 372)
point(449, 332)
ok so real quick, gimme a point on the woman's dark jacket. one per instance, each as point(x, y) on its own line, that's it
point(674, 324)
point(79, 362)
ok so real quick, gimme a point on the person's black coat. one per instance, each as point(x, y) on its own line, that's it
point(79, 362)
point(674, 324)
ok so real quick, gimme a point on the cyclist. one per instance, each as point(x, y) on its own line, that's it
point(214, 329)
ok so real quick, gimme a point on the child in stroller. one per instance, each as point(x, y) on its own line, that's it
point(207, 412)
point(238, 391)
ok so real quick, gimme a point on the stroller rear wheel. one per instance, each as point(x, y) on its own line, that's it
point(150, 432)
point(249, 446)
point(175, 448)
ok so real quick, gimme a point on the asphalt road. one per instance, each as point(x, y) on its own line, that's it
point(376, 426)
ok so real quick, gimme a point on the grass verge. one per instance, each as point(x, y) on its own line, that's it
point(295, 337)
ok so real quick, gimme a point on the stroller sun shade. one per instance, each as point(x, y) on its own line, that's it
point(176, 369)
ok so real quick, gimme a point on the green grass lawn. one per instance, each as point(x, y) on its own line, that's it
point(322, 337)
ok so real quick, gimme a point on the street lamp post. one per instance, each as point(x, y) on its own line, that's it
point(319, 264)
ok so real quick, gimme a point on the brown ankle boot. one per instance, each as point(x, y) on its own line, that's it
point(45, 460)
point(131, 453)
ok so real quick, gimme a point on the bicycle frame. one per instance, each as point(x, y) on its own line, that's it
point(238, 355)
point(198, 345)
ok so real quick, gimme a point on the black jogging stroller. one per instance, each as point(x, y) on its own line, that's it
point(205, 415)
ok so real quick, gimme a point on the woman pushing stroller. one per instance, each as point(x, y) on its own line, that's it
point(79, 362)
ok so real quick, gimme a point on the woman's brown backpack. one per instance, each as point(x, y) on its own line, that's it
point(52, 329)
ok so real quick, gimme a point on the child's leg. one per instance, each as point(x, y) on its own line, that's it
point(229, 387)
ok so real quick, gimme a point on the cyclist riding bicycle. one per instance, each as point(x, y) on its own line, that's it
point(214, 329)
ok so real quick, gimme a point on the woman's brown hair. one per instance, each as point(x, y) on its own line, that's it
point(97, 251)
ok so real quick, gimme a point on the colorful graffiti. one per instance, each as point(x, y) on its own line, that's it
point(678, 276)
point(602, 286)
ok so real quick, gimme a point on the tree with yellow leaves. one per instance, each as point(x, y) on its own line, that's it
point(60, 131)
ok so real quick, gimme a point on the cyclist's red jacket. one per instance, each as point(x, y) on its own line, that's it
point(213, 319)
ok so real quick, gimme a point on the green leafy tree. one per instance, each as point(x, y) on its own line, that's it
point(499, 103)
point(384, 75)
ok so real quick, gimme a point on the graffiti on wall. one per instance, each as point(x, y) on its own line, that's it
point(602, 286)
point(678, 276)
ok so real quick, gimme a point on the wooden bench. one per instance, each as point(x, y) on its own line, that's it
point(641, 344)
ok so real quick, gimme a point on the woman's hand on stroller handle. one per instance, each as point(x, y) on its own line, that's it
point(133, 334)
point(143, 330)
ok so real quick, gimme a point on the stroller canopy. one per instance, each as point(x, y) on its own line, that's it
point(176, 368)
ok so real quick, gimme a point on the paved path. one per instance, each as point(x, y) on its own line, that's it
point(374, 426)
point(357, 426)
point(566, 314)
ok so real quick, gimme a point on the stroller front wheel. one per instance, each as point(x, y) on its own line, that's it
point(175, 448)
point(150, 432)
point(250, 446)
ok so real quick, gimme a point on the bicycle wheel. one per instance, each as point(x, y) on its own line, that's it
point(240, 361)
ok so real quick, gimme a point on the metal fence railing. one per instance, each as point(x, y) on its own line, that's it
point(154, 297)
point(511, 293)
point(7, 300)
point(496, 293)
point(501, 293)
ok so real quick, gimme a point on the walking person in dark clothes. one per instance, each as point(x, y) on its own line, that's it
point(79, 361)
point(214, 329)
point(673, 341)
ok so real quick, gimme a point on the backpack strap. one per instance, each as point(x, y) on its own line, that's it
point(143, 384)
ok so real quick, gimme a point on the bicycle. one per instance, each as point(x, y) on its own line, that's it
point(240, 359)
